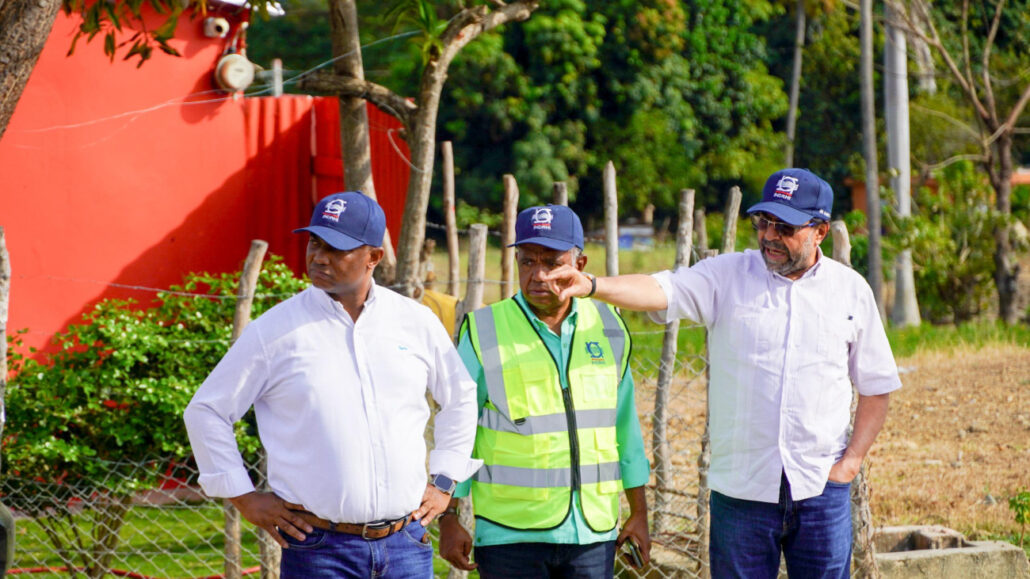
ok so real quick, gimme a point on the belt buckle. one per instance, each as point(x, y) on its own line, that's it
point(376, 527)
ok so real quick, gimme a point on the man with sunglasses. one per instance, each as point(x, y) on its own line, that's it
point(790, 332)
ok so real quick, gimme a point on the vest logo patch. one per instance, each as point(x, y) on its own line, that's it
point(595, 352)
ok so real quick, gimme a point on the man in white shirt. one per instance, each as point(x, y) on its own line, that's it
point(337, 376)
point(790, 331)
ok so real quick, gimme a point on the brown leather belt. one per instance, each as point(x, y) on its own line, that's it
point(369, 531)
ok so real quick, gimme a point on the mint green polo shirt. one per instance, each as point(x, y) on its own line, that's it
point(632, 458)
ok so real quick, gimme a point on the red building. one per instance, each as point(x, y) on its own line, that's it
point(119, 180)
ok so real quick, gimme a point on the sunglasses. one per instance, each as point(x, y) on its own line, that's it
point(760, 223)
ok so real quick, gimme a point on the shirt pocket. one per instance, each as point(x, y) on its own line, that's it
point(754, 332)
point(836, 332)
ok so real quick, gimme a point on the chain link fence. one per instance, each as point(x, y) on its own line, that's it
point(174, 531)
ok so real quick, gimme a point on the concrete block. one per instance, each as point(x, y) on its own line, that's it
point(933, 551)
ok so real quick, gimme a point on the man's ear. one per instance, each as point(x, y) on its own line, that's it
point(375, 255)
point(581, 262)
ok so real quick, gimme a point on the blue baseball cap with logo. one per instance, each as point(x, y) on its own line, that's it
point(795, 196)
point(552, 226)
point(347, 221)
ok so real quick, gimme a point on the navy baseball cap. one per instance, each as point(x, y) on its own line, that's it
point(795, 196)
point(347, 221)
point(553, 226)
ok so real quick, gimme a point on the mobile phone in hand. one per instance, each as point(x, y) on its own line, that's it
point(632, 553)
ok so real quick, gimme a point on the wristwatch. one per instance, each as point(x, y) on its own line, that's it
point(443, 483)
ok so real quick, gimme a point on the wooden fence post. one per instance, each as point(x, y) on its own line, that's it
point(511, 211)
point(611, 221)
point(702, 231)
point(841, 242)
point(5, 292)
point(450, 220)
point(244, 300)
point(7, 523)
point(476, 271)
point(473, 300)
point(730, 216)
point(561, 194)
point(704, 459)
point(666, 371)
point(864, 556)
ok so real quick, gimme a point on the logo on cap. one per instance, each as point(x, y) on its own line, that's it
point(334, 209)
point(786, 187)
point(542, 218)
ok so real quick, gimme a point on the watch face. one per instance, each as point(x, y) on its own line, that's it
point(444, 483)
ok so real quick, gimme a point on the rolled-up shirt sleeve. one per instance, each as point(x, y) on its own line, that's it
point(223, 398)
point(455, 425)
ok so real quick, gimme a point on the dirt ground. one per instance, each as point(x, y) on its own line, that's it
point(956, 444)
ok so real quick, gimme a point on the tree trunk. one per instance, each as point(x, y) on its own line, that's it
point(795, 82)
point(872, 180)
point(895, 90)
point(1006, 268)
point(423, 148)
point(354, 139)
point(24, 28)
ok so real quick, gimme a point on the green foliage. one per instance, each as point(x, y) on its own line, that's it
point(675, 94)
point(1020, 507)
point(422, 15)
point(951, 237)
point(829, 124)
point(99, 415)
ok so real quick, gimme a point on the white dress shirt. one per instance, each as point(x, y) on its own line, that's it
point(783, 355)
point(341, 406)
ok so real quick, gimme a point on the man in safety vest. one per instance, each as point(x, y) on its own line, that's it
point(558, 429)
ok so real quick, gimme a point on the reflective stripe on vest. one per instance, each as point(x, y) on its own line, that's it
point(527, 479)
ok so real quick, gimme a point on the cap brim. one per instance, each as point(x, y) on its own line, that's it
point(334, 238)
point(546, 242)
point(784, 213)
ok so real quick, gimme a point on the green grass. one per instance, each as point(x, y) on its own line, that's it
point(155, 542)
point(926, 337)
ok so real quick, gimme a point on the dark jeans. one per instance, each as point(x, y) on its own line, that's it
point(814, 535)
point(536, 560)
point(328, 555)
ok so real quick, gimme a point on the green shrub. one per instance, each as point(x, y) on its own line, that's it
point(951, 237)
point(95, 418)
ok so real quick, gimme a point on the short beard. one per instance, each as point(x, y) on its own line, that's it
point(795, 261)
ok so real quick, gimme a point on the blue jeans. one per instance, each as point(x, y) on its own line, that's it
point(535, 560)
point(813, 534)
point(328, 555)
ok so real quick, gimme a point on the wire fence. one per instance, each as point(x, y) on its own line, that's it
point(174, 531)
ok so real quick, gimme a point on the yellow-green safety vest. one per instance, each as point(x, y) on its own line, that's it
point(538, 441)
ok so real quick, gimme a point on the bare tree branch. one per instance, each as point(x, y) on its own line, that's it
point(468, 24)
point(959, 123)
point(926, 168)
point(329, 83)
point(1018, 109)
point(986, 59)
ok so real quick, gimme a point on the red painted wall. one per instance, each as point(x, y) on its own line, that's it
point(117, 180)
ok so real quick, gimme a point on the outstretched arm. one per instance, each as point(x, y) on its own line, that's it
point(636, 292)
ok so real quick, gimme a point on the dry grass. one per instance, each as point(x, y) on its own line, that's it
point(956, 444)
